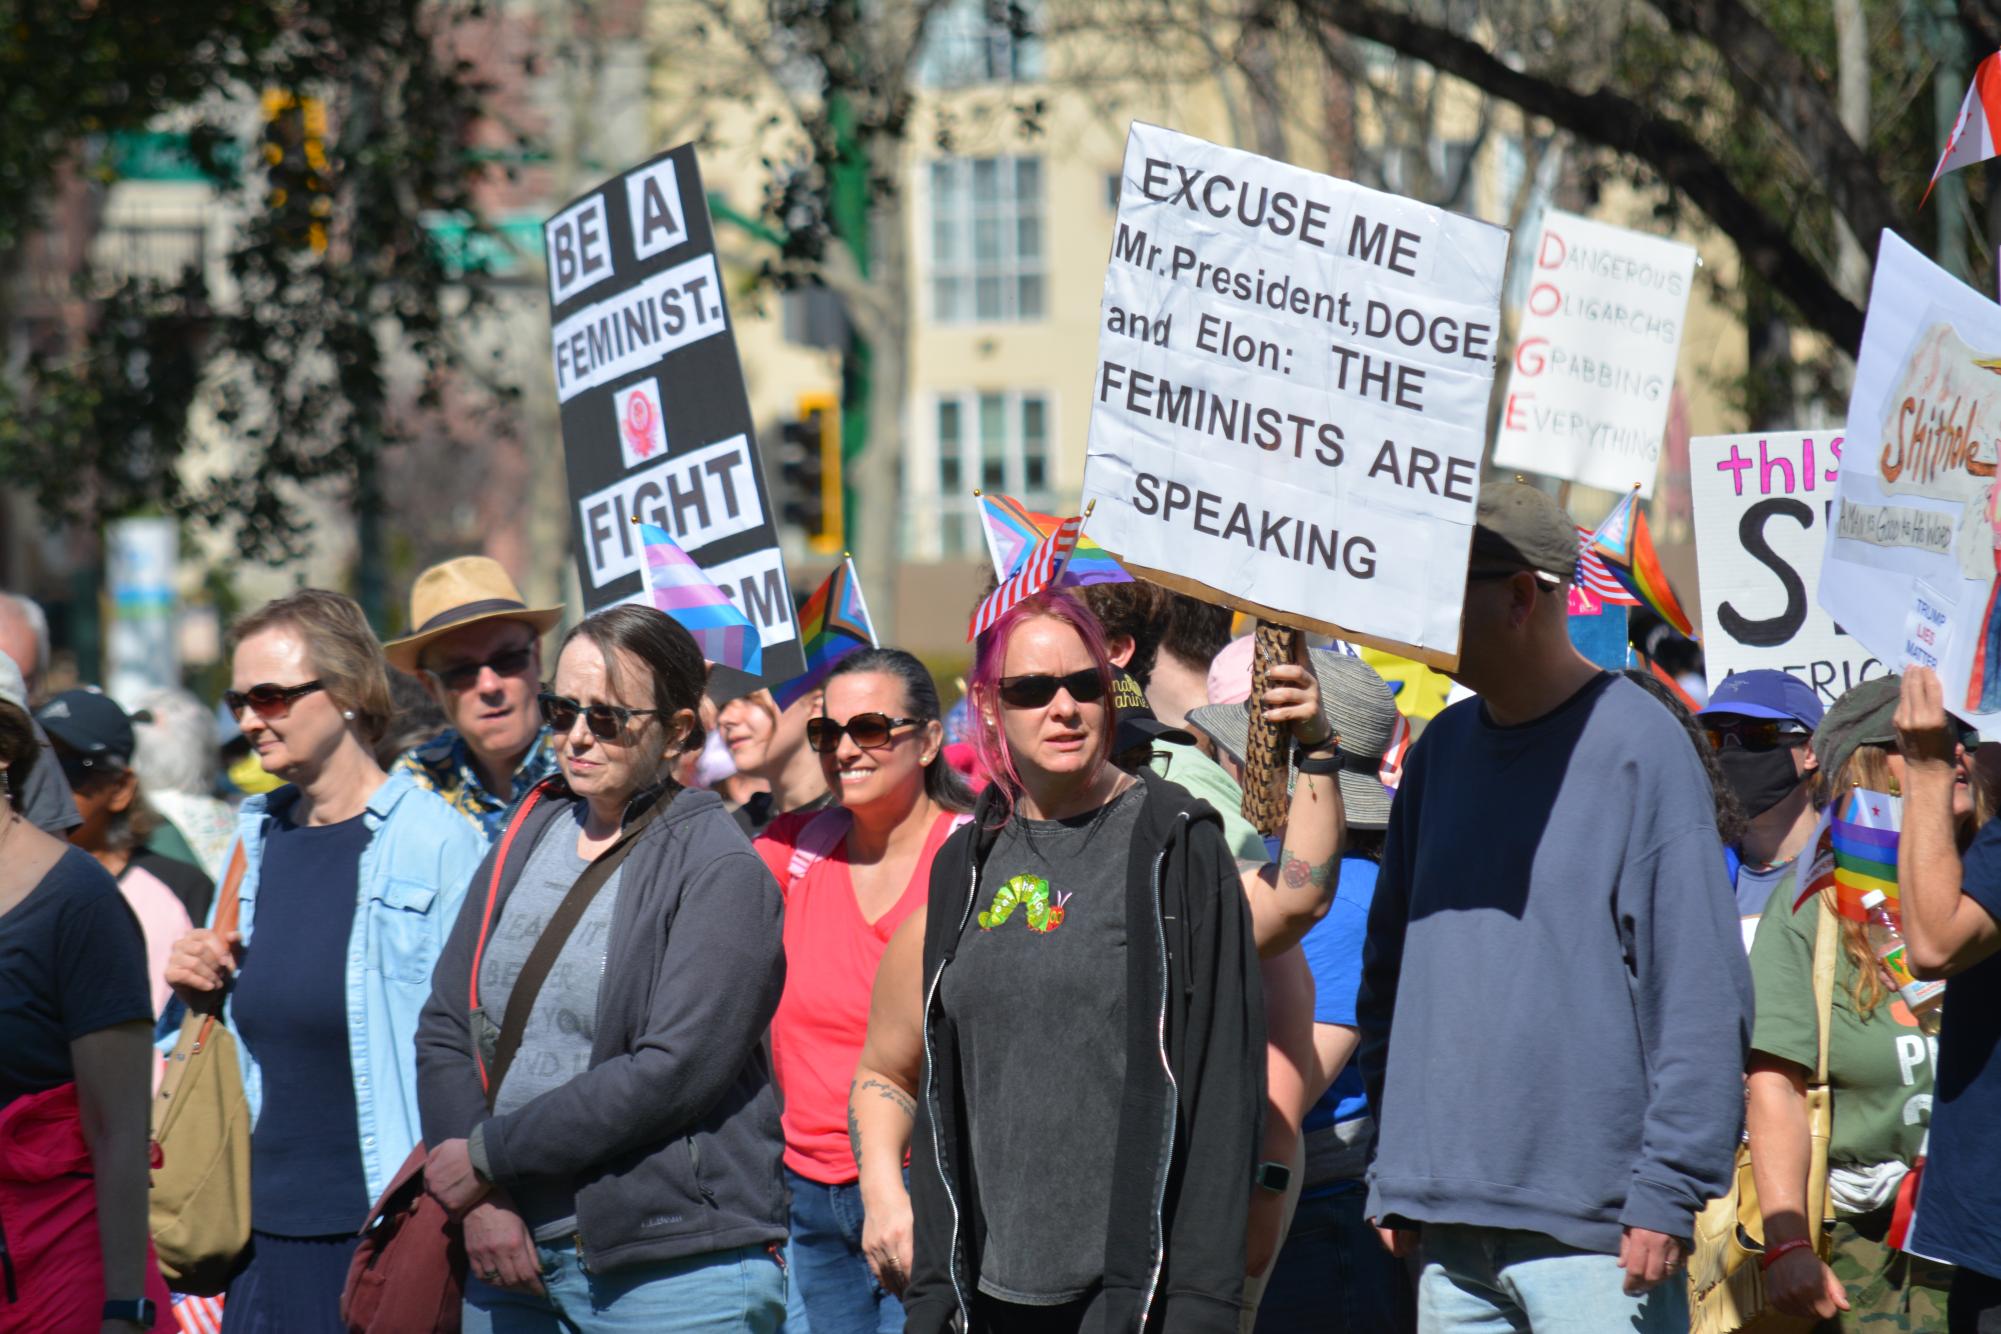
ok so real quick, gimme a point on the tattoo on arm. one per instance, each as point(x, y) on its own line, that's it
point(854, 1128)
point(904, 1102)
point(1300, 873)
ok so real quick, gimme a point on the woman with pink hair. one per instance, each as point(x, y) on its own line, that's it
point(1093, 1024)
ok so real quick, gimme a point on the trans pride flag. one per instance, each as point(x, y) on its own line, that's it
point(1013, 529)
point(833, 624)
point(678, 586)
point(1855, 851)
point(1625, 546)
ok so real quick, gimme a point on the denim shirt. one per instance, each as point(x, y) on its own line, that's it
point(420, 857)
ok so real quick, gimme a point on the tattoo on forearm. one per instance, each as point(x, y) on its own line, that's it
point(1299, 873)
point(854, 1127)
point(904, 1102)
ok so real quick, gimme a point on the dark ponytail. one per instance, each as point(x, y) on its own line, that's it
point(942, 783)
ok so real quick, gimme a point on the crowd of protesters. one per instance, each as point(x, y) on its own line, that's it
point(856, 1012)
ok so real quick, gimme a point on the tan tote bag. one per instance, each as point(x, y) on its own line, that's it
point(1726, 1287)
point(201, 1143)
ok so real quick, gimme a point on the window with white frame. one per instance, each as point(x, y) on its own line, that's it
point(986, 253)
point(988, 440)
point(969, 42)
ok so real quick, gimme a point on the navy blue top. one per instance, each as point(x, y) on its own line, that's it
point(72, 961)
point(1959, 1203)
point(291, 1008)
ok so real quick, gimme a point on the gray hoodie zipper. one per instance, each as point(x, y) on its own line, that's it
point(931, 1096)
point(1173, 1091)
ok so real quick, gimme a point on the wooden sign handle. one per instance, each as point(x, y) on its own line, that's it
point(1267, 757)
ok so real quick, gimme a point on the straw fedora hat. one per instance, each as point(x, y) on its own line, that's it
point(458, 593)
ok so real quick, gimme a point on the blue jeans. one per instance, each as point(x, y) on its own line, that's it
point(1334, 1273)
point(742, 1289)
point(1485, 1280)
point(833, 1280)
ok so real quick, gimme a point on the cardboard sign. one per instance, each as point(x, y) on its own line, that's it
point(1917, 513)
point(1762, 507)
point(1289, 405)
point(656, 423)
point(1594, 360)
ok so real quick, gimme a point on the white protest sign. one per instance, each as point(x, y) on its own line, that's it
point(1762, 506)
point(1290, 401)
point(1916, 516)
point(1594, 359)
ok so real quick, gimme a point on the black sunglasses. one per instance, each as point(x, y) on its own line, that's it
point(606, 721)
point(871, 731)
point(267, 700)
point(1754, 734)
point(1034, 691)
point(508, 662)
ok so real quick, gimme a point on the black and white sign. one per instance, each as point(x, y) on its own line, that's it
point(1289, 408)
point(1763, 503)
point(656, 423)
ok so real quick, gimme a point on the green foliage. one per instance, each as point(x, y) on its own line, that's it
point(333, 279)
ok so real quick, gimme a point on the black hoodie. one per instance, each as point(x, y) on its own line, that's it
point(1192, 1110)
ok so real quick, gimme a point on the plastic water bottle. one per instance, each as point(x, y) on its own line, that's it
point(1924, 998)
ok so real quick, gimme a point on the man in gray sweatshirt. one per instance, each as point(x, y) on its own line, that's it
point(1555, 1006)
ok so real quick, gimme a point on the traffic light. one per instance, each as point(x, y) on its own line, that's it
point(295, 166)
point(809, 470)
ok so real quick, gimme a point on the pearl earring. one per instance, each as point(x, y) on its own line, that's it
point(347, 714)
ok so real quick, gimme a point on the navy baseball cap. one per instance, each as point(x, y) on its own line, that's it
point(1766, 694)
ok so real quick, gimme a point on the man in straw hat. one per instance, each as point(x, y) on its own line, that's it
point(1555, 1007)
point(477, 647)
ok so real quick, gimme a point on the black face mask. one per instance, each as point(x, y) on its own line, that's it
point(1760, 779)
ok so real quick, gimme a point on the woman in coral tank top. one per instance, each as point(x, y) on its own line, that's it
point(851, 875)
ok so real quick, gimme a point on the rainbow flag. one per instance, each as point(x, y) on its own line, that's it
point(1855, 851)
point(1041, 569)
point(679, 587)
point(1013, 529)
point(1625, 546)
point(833, 624)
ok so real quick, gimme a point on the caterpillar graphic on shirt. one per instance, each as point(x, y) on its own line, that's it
point(1030, 892)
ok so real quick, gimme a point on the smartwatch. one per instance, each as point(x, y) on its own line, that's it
point(1274, 1177)
point(139, 1311)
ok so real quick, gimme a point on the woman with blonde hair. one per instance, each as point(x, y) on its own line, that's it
point(1879, 1070)
point(348, 880)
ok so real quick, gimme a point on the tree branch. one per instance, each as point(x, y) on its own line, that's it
point(1617, 122)
point(1776, 79)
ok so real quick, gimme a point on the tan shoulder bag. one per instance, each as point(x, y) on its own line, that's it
point(201, 1142)
point(1726, 1287)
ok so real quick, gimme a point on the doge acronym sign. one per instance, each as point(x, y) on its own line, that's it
point(1290, 401)
point(656, 424)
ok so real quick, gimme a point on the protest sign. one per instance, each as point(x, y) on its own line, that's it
point(656, 424)
point(1594, 359)
point(1916, 515)
point(1762, 507)
point(1290, 401)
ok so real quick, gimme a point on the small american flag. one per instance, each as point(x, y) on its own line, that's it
point(1594, 578)
point(1038, 572)
point(198, 1315)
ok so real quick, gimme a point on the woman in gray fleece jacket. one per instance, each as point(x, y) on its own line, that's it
point(613, 1147)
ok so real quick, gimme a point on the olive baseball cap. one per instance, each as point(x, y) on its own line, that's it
point(1517, 527)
